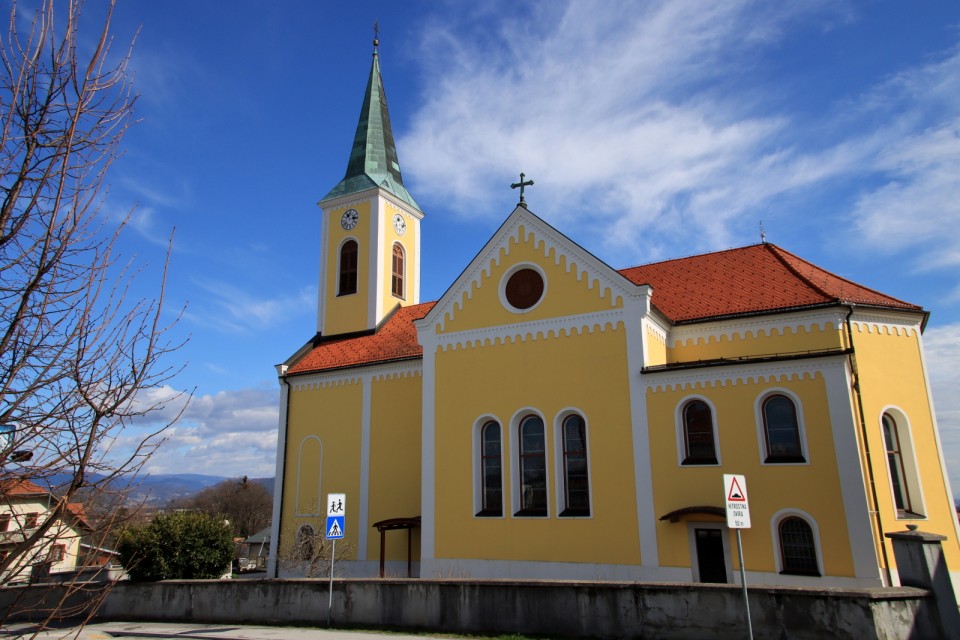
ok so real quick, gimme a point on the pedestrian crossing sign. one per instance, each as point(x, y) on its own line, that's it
point(334, 527)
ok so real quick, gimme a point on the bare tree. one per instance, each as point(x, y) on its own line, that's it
point(246, 504)
point(79, 356)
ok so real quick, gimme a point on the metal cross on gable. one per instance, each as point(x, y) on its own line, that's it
point(522, 184)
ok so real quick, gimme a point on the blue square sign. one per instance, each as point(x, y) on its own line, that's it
point(334, 527)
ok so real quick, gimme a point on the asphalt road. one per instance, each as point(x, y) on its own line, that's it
point(135, 630)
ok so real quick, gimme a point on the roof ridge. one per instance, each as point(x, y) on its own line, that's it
point(692, 255)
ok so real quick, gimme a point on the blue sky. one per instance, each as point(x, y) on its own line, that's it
point(652, 129)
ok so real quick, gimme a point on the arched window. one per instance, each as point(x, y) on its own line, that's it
point(781, 430)
point(305, 539)
point(396, 285)
point(491, 470)
point(699, 446)
point(576, 483)
point(348, 268)
point(798, 550)
point(533, 467)
point(901, 465)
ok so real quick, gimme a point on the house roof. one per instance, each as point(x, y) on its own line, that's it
point(395, 339)
point(21, 488)
point(749, 280)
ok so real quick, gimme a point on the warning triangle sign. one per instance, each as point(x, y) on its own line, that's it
point(736, 493)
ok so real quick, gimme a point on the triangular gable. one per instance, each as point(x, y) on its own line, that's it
point(520, 227)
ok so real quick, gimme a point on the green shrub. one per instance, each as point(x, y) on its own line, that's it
point(177, 546)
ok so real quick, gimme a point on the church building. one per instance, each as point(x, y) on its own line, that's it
point(553, 417)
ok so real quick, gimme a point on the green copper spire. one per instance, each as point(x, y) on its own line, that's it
point(373, 159)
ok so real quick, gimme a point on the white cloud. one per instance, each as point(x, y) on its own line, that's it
point(647, 115)
point(239, 311)
point(942, 348)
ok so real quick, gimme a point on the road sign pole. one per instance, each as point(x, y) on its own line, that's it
point(743, 583)
point(333, 555)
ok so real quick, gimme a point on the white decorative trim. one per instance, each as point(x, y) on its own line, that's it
point(353, 375)
point(375, 291)
point(850, 472)
point(640, 434)
point(754, 327)
point(365, 412)
point(733, 373)
point(886, 323)
point(428, 454)
point(534, 329)
point(279, 477)
point(322, 289)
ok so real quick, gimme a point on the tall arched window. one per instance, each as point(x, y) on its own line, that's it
point(348, 268)
point(698, 439)
point(781, 430)
point(491, 470)
point(396, 285)
point(901, 465)
point(798, 550)
point(533, 467)
point(576, 483)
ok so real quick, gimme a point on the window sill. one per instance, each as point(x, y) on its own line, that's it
point(785, 460)
point(692, 462)
point(489, 513)
point(909, 515)
point(812, 574)
point(531, 513)
point(575, 513)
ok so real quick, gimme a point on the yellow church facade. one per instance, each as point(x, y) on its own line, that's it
point(552, 417)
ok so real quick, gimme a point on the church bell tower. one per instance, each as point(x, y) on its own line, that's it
point(370, 230)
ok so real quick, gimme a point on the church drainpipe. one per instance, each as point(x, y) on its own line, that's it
point(875, 506)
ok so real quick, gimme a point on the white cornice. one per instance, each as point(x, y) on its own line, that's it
point(535, 329)
point(352, 199)
point(890, 323)
point(734, 374)
point(755, 326)
point(354, 375)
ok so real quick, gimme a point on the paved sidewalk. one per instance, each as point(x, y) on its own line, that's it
point(134, 630)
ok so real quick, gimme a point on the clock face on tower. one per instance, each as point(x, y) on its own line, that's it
point(399, 225)
point(349, 219)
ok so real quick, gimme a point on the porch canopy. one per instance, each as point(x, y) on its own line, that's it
point(390, 525)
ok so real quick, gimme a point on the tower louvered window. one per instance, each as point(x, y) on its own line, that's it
point(348, 268)
point(397, 279)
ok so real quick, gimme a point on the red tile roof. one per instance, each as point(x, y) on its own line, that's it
point(395, 339)
point(21, 488)
point(754, 279)
point(747, 280)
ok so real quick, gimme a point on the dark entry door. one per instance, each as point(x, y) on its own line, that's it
point(710, 558)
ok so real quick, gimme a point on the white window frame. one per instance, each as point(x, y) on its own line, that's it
point(478, 466)
point(560, 477)
point(761, 428)
point(775, 521)
point(515, 503)
point(911, 469)
point(681, 430)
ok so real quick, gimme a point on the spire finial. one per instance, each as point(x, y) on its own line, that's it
point(376, 36)
point(522, 184)
point(763, 233)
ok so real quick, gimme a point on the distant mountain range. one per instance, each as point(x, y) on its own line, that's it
point(158, 489)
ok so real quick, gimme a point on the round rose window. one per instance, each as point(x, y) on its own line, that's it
point(524, 289)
